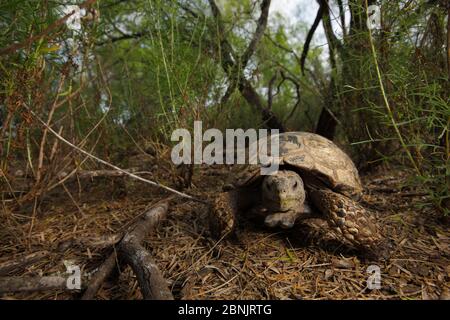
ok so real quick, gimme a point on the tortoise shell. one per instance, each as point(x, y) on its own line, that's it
point(315, 158)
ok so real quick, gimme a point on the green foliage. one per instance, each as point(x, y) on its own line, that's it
point(139, 69)
point(407, 116)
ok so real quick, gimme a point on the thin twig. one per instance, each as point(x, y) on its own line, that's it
point(181, 194)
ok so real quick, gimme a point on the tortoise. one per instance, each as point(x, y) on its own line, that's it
point(316, 179)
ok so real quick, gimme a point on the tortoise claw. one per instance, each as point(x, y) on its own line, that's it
point(285, 220)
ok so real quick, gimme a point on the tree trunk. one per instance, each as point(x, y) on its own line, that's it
point(233, 65)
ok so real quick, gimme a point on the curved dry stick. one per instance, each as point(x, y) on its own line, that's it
point(99, 277)
point(130, 251)
point(150, 279)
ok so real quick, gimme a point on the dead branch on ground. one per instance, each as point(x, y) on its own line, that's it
point(130, 251)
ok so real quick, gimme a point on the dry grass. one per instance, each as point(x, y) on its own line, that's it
point(304, 263)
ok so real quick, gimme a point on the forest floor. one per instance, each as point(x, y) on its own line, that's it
point(302, 263)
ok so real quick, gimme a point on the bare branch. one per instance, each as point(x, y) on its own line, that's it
point(261, 26)
point(342, 18)
point(289, 50)
point(333, 41)
point(32, 284)
point(298, 94)
point(151, 281)
point(234, 67)
point(311, 34)
point(136, 35)
point(270, 90)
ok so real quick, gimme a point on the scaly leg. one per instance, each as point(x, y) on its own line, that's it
point(222, 215)
point(347, 218)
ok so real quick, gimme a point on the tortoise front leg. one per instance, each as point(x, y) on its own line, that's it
point(347, 218)
point(222, 214)
point(225, 208)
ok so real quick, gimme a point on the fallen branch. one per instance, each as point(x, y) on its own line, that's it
point(32, 284)
point(99, 277)
point(22, 262)
point(130, 251)
point(151, 281)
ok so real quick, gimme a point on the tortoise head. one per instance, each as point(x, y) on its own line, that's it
point(283, 191)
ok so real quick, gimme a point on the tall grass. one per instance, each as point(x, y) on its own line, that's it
point(403, 98)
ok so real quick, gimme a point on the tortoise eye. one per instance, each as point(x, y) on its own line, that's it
point(295, 184)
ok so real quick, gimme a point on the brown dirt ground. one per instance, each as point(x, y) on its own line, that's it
point(303, 263)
